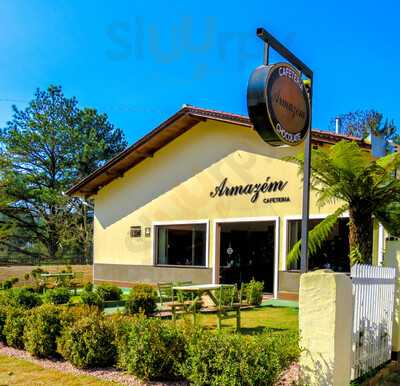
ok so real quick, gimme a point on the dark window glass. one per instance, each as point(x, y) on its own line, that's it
point(333, 254)
point(181, 244)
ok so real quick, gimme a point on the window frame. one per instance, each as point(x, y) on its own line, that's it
point(154, 245)
point(285, 245)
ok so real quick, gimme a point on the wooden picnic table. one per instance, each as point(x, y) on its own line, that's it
point(59, 276)
point(199, 290)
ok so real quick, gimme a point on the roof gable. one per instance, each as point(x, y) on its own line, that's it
point(163, 134)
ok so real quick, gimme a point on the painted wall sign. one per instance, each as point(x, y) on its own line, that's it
point(278, 104)
point(253, 190)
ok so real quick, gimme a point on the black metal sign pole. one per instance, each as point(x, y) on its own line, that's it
point(269, 40)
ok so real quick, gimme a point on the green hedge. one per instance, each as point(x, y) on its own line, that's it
point(89, 342)
point(151, 349)
point(43, 326)
point(25, 297)
point(253, 292)
point(14, 326)
point(59, 295)
point(141, 299)
point(232, 359)
point(91, 298)
point(108, 292)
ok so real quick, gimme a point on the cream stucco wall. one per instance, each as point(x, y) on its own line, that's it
point(175, 185)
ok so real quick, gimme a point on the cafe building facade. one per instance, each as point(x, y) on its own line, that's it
point(203, 198)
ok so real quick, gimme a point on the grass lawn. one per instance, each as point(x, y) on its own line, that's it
point(19, 372)
point(276, 319)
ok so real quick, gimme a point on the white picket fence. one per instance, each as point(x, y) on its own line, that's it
point(373, 292)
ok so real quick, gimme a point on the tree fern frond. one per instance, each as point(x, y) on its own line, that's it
point(317, 235)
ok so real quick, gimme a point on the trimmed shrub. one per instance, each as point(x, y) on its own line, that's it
point(120, 325)
point(233, 359)
point(91, 299)
point(57, 296)
point(88, 286)
point(152, 349)
point(14, 327)
point(39, 284)
point(43, 326)
point(73, 313)
point(3, 317)
point(108, 292)
point(8, 283)
point(88, 343)
point(25, 297)
point(141, 299)
point(253, 292)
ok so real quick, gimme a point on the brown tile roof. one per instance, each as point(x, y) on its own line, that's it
point(187, 117)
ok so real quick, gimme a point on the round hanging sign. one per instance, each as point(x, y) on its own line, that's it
point(278, 104)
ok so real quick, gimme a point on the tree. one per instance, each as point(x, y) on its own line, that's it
point(366, 188)
point(43, 149)
point(362, 123)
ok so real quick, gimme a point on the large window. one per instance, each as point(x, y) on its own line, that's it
point(183, 244)
point(333, 254)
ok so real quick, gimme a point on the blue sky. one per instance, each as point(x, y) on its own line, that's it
point(140, 61)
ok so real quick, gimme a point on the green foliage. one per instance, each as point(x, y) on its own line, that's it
point(3, 316)
point(14, 327)
point(36, 275)
point(120, 324)
point(57, 296)
point(108, 292)
point(237, 360)
point(152, 349)
point(317, 235)
point(43, 326)
point(346, 173)
point(88, 287)
point(25, 297)
point(72, 313)
point(43, 149)
point(142, 299)
point(88, 343)
point(8, 283)
point(253, 292)
point(91, 298)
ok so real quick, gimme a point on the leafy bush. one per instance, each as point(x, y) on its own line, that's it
point(57, 296)
point(14, 327)
point(108, 292)
point(25, 297)
point(35, 274)
point(141, 299)
point(91, 299)
point(88, 286)
point(152, 349)
point(43, 326)
point(8, 283)
point(3, 315)
point(120, 324)
point(7, 298)
point(73, 313)
point(88, 343)
point(253, 292)
point(233, 359)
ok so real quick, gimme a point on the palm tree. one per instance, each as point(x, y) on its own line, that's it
point(364, 187)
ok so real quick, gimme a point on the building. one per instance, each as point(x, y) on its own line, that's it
point(203, 198)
